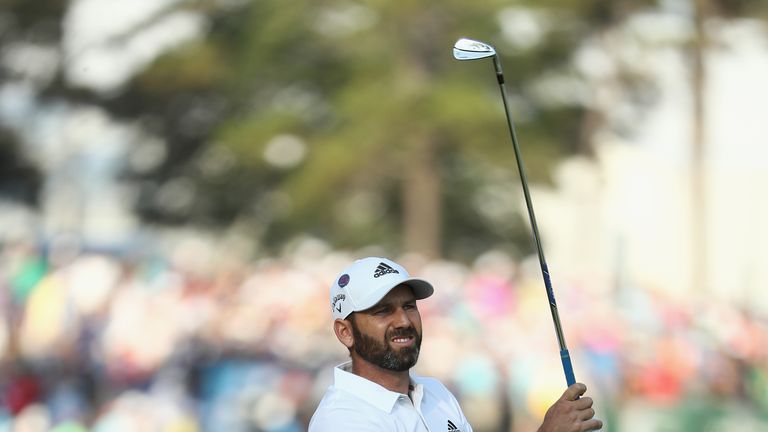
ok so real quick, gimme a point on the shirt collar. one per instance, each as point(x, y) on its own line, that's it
point(367, 390)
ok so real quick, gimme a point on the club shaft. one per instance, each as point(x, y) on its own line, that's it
point(564, 354)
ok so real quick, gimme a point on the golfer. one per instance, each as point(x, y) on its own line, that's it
point(373, 302)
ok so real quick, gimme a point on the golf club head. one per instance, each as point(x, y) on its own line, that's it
point(468, 49)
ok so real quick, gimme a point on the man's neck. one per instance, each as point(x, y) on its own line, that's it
point(390, 380)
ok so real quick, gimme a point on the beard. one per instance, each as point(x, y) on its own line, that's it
point(382, 354)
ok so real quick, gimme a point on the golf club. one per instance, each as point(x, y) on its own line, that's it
point(468, 49)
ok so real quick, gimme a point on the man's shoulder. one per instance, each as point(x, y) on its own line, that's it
point(427, 381)
point(432, 385)
point(339, 400)
point(341, 410)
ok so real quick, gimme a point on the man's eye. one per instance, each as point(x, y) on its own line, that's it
point(410, 306)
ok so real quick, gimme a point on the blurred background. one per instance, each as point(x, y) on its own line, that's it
point(182, 180)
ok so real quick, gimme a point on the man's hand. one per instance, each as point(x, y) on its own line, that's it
point(571, 413)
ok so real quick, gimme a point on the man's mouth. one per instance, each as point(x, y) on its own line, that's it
point(403, 341)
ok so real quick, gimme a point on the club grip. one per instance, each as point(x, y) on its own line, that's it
point(567, 367)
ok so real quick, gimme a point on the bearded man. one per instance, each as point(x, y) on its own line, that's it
point(373, 302)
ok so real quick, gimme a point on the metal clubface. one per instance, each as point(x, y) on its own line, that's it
point(468, 49)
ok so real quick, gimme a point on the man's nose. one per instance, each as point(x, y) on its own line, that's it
point(402, 319)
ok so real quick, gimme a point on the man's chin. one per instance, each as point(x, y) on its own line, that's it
point(409, 359)
point(401, 366)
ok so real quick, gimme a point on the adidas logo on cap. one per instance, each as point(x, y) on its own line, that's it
point(452, 427)
point(383, 269)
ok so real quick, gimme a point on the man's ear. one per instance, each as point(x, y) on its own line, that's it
point(343, 330)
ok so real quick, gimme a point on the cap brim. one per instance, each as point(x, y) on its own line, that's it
point(421, 290)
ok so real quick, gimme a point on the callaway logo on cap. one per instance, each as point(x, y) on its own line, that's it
point(368, 280)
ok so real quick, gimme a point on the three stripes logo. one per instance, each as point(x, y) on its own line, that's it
point(383, 269)
point(452, 427)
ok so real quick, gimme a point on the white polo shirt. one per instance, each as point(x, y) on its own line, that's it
point(355, 404)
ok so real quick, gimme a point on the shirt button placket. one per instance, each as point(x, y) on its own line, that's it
point(412, 410)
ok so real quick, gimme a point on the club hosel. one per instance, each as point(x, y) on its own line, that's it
point(499, 72)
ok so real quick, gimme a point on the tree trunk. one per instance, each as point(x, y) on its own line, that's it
point(699, 238)
point(422, 203)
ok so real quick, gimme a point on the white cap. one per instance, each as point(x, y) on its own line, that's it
point(368, 280)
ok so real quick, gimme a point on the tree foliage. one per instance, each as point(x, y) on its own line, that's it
point(369, 93)
point(350, 120)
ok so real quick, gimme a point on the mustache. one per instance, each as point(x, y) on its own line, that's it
point(406, 332)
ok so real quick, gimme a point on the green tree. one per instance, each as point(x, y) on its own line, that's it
point(397, 137)
point(348, 119)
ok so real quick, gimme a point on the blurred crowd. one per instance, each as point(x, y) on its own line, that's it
point(200, 339)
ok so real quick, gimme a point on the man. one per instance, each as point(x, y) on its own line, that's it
point(373, 302)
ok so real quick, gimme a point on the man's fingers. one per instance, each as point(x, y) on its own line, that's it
point(574, 391)
point(586, 414)
point(583, 403)
point(591, 425)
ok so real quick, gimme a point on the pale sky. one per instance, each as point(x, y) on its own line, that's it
point(637, 194)
point(100, 59)
point(736, 101)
